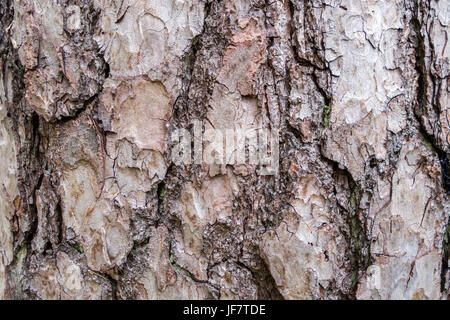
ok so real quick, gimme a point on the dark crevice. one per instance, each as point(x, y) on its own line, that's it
point(267, 288)
point(181, 269)
point(419, 112)
point(304, 62)
point(107, 69)
point(353, 229)
point(422, 84)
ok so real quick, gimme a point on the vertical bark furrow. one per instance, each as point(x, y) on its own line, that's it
point(94, 205)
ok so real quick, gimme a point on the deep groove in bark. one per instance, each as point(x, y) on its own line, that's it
point(264, 204)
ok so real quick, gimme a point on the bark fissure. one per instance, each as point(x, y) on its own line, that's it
point(92, 204)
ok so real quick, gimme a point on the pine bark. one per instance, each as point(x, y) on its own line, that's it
point(92, 205)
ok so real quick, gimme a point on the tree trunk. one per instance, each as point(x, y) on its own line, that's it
point(94, 205)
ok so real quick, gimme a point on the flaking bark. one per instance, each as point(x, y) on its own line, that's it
point(93, 207)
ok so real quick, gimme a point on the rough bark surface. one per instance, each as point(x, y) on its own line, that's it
point(92, 206)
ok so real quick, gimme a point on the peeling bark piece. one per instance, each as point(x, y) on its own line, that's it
point(305, 254)
point(405, 240)
point(153, 275)
point(64, 279)
point(433, 63)
point(242, 59)
point(148, 38)
point(138, 111)
point(101, 227)
point(62, 69)
point(9, 192)
point(352, 38)
point(93, 207)
point(199, 207)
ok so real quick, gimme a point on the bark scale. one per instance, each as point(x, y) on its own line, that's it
point(93, 207)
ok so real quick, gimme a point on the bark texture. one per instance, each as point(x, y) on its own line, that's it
point(92, 206)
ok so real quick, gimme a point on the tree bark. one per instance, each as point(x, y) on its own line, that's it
point(93, 206)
